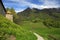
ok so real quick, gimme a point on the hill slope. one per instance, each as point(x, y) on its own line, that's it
point(8, 28)
point(50, 17)
point(45, 22)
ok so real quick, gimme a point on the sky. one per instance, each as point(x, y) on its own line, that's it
point(20, 5)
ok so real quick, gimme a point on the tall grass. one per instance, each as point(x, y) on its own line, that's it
point(10, 28)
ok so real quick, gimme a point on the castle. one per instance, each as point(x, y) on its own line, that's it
point(4, 12)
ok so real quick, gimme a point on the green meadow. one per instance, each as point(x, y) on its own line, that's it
point(42, 30)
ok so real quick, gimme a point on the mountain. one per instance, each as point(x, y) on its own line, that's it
point(53, 12)
point(45, 22)
point(49, 11)
point(50, 17)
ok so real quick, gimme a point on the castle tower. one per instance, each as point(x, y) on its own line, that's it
point(9, 16)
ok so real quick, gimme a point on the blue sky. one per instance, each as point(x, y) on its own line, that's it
point(20, 5)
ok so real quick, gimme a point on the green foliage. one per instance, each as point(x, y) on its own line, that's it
point(52, 23)
point(8, 28)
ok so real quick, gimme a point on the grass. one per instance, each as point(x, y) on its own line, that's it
point(10, 28)
point(41, 29)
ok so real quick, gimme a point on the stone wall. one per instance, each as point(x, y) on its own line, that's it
point(9, 17)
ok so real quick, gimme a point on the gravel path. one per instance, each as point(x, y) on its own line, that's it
point(38, 37)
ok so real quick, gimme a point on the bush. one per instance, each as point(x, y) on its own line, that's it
point(52, 23)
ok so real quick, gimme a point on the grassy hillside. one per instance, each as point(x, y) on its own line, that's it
point(50, 17)
point(44, 31)
point(45, 22)
point(8, 28)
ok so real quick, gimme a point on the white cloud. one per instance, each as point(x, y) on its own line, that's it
point(50, 3)
point(46, 4)
point(19, 10)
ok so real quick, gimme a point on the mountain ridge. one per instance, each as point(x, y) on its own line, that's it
point(40, 9)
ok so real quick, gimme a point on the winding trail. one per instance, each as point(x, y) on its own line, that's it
point(38, 36)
